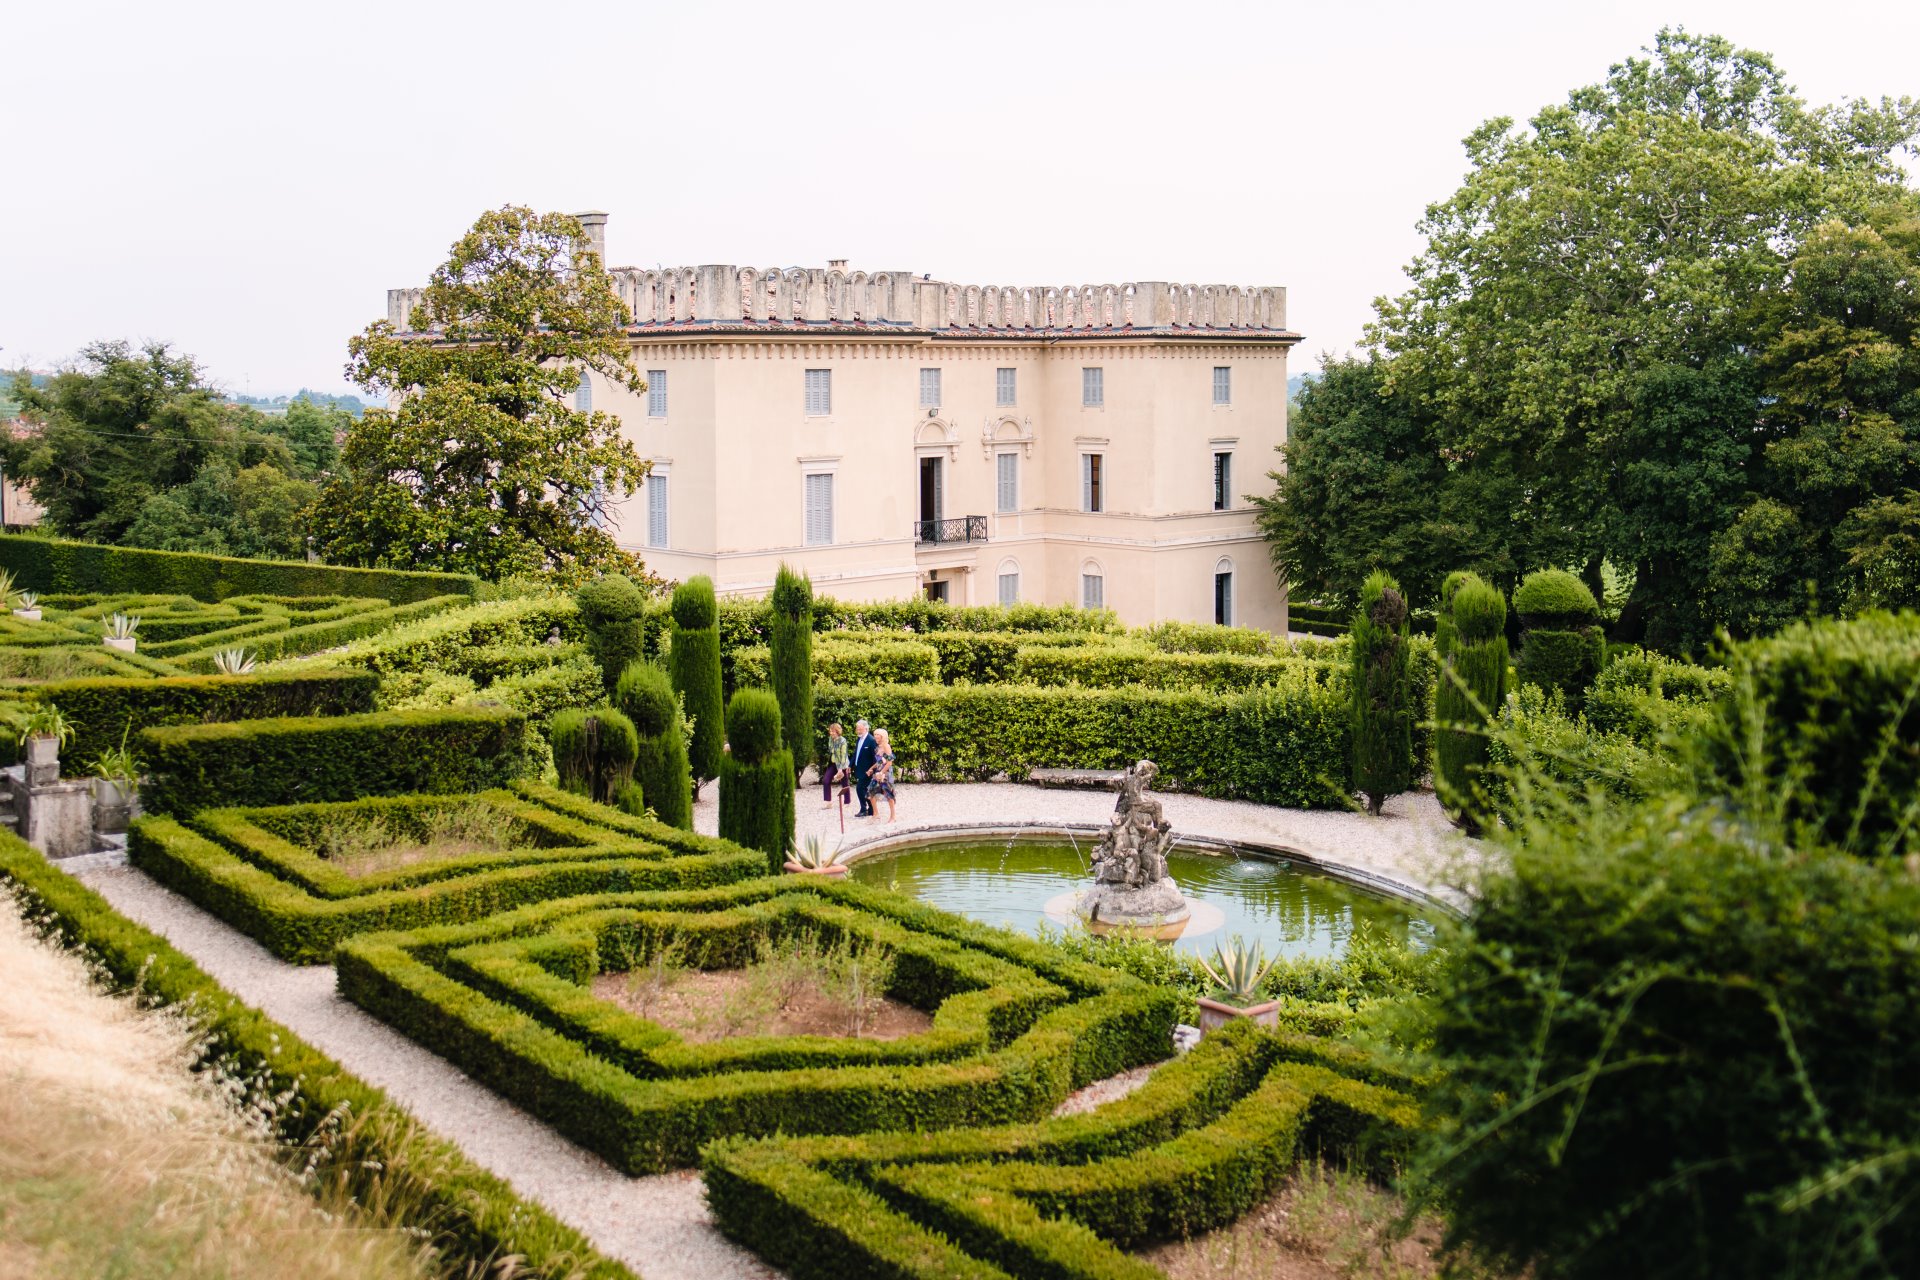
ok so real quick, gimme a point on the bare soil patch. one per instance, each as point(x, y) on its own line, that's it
point(703, 1005)
point(1323, 1224)
point(369, 846)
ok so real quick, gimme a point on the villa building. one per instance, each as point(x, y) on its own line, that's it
point(893, 435)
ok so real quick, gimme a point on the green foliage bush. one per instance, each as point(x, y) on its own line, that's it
point(610, 610)
point(848, 658)
point(1827, 716)
point(459, 641)
point(594, 752)
point(1676, 1041)
point(260, 869)
point(646, 695)
point(103, 710)
point(1284, 744)
point(757, 778)
point(1555, 599)
point(384, 1156)
point(306, 758)
point(314, 636)
point(1561, 646)
point(1654, 699)
point(1107, 666)
point(790, 640)
point(50, 565)
point(694, 665)
point(1535, 745)
point(1381, 689)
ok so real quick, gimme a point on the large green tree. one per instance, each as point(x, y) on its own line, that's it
point(132, 446)
point(488, 465)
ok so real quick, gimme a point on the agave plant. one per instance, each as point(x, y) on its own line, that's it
point(121, 626)
point(233, 662)
point(6, 584)
point(812, 854)
point(1237, 968)
point(25, 599)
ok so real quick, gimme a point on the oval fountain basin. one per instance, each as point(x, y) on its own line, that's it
point(1027, 884)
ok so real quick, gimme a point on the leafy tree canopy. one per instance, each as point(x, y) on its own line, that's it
point(488, 466)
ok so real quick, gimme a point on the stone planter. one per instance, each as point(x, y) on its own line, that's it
point(115, 804)
point(43, 761)
point(1214, 1014)
point(27, 615)
point(123, 643)
point(837, 869)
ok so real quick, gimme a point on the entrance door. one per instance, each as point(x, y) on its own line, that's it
point(930, 499)
point(937, 591)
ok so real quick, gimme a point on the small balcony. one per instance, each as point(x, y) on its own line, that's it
point(962, 529)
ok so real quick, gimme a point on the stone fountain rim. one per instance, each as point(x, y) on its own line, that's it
point(971, 832)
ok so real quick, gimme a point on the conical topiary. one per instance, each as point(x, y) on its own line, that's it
point(1473, 686)
point(693, 662)
point(790, 642)
point(1382, 692)
point(756, 777)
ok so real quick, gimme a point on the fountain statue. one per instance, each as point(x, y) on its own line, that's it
point(1131, 886)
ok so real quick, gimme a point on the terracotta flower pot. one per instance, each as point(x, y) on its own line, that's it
point(1214, 1014)
point(837, 869)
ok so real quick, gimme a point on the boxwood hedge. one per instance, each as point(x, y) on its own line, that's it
point(102, 709)
point(293, 759)
point(471, 1217)
point(260, 871)
point(1206, 1139)
point(1048, 1023)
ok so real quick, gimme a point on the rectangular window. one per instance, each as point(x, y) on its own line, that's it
point(657, 509)
point(1091, 466)
point(1222, 481)
point(1010, 588)
point(1093, 388)
point(656, 393)
point(1222, 384)
point(1223, 598)
point(1007, 467)
point(819, 392)
point(1006, 387)
point(1093, 591)
point(929, 388)
point(820, 509)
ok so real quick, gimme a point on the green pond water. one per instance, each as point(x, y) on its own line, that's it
point(1291, 910)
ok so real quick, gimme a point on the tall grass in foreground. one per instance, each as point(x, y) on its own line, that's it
point(116, 1160)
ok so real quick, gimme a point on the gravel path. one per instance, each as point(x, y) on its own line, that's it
point(1411, 850)
point(659, 1225)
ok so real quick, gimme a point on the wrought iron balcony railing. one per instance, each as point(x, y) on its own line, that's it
point(962, 529)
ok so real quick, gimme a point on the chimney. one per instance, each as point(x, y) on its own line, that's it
point(837, 264)
point(594, 223)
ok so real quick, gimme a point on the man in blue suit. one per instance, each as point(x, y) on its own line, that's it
point(864, 751)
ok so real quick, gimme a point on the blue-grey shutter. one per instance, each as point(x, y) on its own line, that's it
point(1005, 387)
point(1222, 384)
point(1010, 588)
point(819, 509)
point(657, 510)
point(1009, 481)
point(929, 388)
point(583, 394)
point(656, 393)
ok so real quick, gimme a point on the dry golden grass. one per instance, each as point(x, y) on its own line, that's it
point(116, 1161)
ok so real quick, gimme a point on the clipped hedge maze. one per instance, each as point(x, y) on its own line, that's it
point(260, 869)
point(1016, 1024)
point(1205, 1140)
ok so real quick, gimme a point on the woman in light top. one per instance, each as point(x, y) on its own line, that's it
point(837, 769)
point(882, 771)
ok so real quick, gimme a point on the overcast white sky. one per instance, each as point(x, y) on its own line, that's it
point(245, 181)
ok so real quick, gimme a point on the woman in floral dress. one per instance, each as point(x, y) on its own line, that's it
point(881, 774)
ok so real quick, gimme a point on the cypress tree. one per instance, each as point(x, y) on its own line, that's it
point(756, 777)
point(790, 639)
point(645, 696)
point(1473, 685)
point(694, 666)
point(593, 751)
point(1382, 693)
point(1443, 630)
point(610, 610)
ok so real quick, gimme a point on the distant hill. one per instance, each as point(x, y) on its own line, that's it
point(9, 407)
point(278, 404)
point(1298, 381)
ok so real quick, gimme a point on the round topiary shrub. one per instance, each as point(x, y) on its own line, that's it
point(1554, 598)
point(694, 604)
point(1560, 642)
point(753, 726)
point(1478, 611)
point(645, 695)
point(611, 610)
point(593, 751)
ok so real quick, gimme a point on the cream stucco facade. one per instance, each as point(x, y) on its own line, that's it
point(893, 436)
